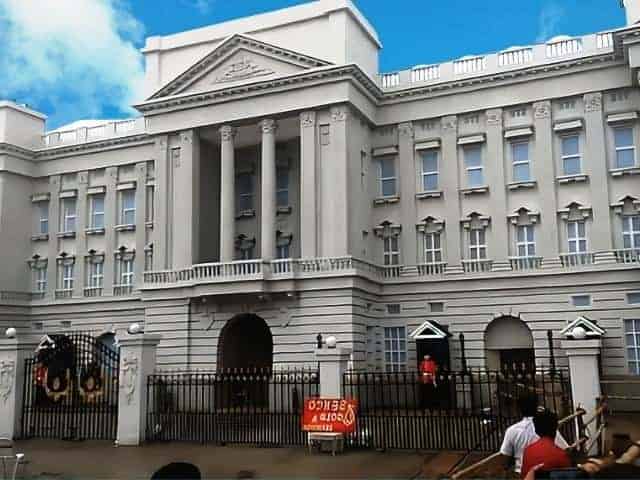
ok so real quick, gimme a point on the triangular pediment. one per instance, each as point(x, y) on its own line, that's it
point(429, 330)
point(591, 328)
point(237, 60)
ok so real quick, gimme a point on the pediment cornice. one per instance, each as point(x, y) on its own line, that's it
point(16, 151)
point(227, 48)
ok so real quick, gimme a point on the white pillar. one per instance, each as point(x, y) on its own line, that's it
point(227, 193)
point(333, 363)
point(13, 353)
point(308, 159)
point(137, 362)
point(585, 375)
point(268, 215)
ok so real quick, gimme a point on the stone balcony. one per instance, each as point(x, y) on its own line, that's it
point(556, 50)
point(94, 132)
point(258, 271)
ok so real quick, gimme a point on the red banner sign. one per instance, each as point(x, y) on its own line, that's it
point(329, 415)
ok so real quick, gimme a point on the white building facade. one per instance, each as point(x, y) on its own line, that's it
point(276, 186)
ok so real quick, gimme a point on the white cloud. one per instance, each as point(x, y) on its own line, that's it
point(77, 57)
point(202, 6)
point(549, 20)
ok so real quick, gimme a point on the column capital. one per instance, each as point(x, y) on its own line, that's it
point(450, 124)
point(339, 113)
point(542, 109)
point(307, 119)
point(494, 117)
point(405, 129)
point(227, 133)
point(268, 125)
point(593, 102)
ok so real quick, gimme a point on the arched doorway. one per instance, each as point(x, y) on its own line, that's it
point(509, 344)
point(245, 343)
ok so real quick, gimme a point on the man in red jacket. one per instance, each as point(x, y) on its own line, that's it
point(428, 371)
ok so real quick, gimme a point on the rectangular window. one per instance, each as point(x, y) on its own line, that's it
point(436, 307)
point(126, 272)
point(391, 251)
point(43, 218)
point(148, 260)
point(632, 340)
point(625, 147)
point(432, 248)
point(282, 186)
point(40, 281)
point(395, 349)
point(581, 300)
point(521, 163)
point(128, 207)
point(633, 298)
point(97, 211)
point(571, 158)
point(631, 231)
point(477, 244)
point(387, 179)
point(577, 237)
point(150, 205)
point(282, 251)
point(96, 275)
point(68, 215)
point(67, 277)
point(473, 165)
point(429, 170)
point(525, 241)
point(247, 253)
point(244, 187)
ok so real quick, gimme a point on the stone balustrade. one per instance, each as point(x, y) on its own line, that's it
point(94, 133)
point(553, 51)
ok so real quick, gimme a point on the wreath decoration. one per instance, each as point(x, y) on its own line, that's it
point(91, 384)
point(57, 382)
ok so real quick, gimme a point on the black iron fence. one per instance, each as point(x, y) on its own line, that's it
point(256, 406)
point(71, 389)
point(466, 410)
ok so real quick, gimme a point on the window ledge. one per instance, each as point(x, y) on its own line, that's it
point(125, 228)
point(148, 225)
point(246, 214)
point(386, 200)
point(94, 231)
point(475, 190)
point(619, 172)
point(572, 179)
point(519, 185)
point(283, 210)
point(429, 194)
point(40, 237)
point(66, 235)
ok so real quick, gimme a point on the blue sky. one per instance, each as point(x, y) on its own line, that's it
point(76, 59)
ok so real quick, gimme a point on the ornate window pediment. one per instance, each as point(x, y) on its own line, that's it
point(66, 259)
point(37, 262)
point(238, 59)
point(95, 257)
point(524, 216)
point(387, 229)
point(575, 212)
point(627, 206)
point(591, 328)
point(283, 239)
point(430, 225)
point(125, 254)
point(430, 330)
point(475, 220)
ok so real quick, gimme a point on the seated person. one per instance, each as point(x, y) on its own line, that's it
point(520, 435)
point(544, 451)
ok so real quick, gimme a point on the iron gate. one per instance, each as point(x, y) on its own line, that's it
point(71, 389)
point(254, 406)
point(467, 410)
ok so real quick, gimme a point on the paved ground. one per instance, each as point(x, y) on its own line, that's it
point(76, 460)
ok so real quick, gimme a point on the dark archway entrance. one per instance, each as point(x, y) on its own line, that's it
point(509, 345)
point(245, 343)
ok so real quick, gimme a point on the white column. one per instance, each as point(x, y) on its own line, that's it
point(227, 193)
point(585, 375)
point(308, 217)
point(268, 215)
point(333, 363)
point(137, 362)
point(13, 353)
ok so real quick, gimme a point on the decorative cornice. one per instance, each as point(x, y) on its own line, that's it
point(226, 47)
point(109, 143)
point(23, 153)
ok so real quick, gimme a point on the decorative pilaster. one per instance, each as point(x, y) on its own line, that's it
point(333, 363)
point(82, 214)
point(160, 202)
point(595, 165)
point(409, 215)
point(137, 362)
point(450, 187)
point(110, 221)
point(185, 201)
point(141, 229)
point(54, 228)
point(268, 214)
point(308, 185)
point(227, 193)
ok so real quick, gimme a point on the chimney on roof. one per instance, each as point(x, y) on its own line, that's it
point(632, 9)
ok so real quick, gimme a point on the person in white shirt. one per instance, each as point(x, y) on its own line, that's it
point(522, 434)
